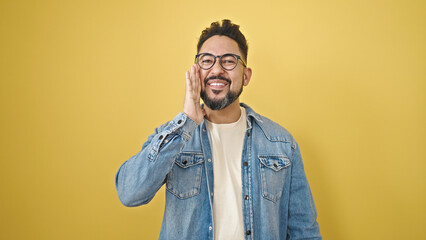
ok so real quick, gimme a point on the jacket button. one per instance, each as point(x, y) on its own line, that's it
point(245, 163)
point(275, 165)
point(161, 137)
point(248, 232)
point(184, 162)
point(248, 134)
point(180, 121)
point(246, 197)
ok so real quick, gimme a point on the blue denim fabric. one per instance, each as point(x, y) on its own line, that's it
point(277, 201)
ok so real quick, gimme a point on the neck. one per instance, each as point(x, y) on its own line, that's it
point(229, 114)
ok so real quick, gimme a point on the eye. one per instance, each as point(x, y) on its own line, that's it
point(229, 60)
point(206, 61)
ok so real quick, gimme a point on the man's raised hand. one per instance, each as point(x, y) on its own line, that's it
point(191, 105)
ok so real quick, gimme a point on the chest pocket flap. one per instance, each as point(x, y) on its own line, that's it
point(186, 160)
point(276, 162)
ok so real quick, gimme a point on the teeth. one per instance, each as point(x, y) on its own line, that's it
point(217, 84)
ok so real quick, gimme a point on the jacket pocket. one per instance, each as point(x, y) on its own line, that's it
point(184, 179)
point(273, 170)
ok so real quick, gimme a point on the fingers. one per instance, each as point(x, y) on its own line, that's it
point(188, 87)
point(188, 81)
point(200, 81)
point(197, 77)
point(194, 78)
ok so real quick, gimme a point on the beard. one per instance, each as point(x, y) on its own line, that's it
point(218, 104)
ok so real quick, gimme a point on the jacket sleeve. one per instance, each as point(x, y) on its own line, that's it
point(140, 177)
point(302, 222)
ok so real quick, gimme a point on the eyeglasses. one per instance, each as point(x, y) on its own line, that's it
point(227, 61)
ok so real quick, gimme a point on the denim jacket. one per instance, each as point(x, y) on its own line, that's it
point(277, 201)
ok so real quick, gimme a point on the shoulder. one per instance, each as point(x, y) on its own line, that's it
point(272, 130)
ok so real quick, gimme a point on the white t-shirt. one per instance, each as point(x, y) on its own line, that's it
point(227, 145)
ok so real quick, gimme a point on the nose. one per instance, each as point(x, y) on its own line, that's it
point(217, 68)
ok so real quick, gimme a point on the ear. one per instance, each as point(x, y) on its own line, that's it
point(246, 76)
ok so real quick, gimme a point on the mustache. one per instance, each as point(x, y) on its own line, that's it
point(217, 77)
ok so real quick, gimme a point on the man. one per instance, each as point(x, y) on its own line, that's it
point(230, 173)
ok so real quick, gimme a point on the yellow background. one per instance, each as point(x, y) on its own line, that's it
point(83, 83)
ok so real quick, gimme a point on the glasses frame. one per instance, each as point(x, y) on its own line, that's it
point(220, 60)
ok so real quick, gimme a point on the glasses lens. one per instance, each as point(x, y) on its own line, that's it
point(206, 61)
point(229, 61)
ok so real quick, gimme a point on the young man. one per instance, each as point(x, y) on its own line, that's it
point(230, 173)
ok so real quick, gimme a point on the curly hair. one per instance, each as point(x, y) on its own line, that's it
point(227, 28)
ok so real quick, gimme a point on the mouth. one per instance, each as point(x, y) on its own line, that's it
point(217, 83)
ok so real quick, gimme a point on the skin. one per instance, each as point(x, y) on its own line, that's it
point(217, 45)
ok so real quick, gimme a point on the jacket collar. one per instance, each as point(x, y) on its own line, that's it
point(251, 114)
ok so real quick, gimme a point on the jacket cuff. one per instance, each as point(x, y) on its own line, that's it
point(184, 124)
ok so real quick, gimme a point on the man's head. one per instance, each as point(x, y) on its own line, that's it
point(223, 82)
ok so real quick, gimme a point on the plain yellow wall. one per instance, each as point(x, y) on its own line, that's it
point(83, 83)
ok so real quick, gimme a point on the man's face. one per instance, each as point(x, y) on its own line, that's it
point(222, 87)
